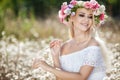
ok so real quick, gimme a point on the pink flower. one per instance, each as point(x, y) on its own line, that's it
point(95, 6)
point(87, 4)
point(91, 5)
point(73, 2)
point(62, 15)
point(63, 7)
point(93, 2)
point(102, 16)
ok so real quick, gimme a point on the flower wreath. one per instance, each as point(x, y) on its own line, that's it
point(70, 9)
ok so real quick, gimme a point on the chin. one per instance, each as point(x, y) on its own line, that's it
point(84, 29)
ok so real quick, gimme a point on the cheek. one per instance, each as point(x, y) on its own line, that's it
point(78, 20)
point(91, 22)
point(75, 21)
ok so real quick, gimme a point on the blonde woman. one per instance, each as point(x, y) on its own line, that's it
point(79, 58)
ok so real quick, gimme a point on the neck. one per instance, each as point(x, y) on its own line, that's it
point(80, 36)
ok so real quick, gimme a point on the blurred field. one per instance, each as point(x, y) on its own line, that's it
point(26, 38)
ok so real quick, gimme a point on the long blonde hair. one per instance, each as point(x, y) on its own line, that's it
point(71, 30)
point(106, 53)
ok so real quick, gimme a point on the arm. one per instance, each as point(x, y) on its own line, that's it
point(56, 64)
point(56, 61)
point(55, 47)
point(83, 74)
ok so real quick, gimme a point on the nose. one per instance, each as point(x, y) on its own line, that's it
point(86, 19)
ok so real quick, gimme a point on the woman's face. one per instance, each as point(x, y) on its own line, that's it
point(83, 19)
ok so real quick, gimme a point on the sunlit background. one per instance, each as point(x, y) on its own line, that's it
point(27, 27)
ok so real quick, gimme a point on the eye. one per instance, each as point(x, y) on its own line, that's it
point(90, 17)
point(81, 15)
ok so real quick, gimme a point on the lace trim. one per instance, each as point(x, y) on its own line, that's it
point(93, 57)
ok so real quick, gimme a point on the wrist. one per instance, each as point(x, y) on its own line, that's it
point(57, 66)
point(52, 69)
point(56, 63)
point(55, 55)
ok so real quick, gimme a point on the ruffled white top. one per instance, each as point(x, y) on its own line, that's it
point(89, 56)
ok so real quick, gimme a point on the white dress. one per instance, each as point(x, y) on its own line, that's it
point(89, 56)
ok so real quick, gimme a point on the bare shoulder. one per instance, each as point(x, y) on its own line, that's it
point(65, 46)
point(93, 42)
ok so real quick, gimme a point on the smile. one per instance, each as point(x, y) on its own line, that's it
point(84, 24)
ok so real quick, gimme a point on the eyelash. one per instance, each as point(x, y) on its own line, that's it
point(90, 17)
point(81, 15)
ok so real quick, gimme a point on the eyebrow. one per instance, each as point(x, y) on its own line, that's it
point(84, 13)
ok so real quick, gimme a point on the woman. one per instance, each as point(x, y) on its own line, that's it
point(79, 58)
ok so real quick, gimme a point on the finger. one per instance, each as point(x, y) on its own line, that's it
point(33, 63)
point(35, 66)
point(52, 44)
point(55, 42)
point(59, 42)
point(42, 61)
point(36, 61)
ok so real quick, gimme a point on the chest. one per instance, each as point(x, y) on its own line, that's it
point(72, 62)
point(71, 49)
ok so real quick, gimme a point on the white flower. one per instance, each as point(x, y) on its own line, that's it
point(67, 11)
point(65, 3)
point(73, 13)
point(102, 22)
point(102, 8)
point(97, 12)
point(80, 3)
point(59, 13)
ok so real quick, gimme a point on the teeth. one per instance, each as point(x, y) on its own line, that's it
point(85, 24)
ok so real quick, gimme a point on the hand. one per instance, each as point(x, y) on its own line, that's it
point(36, 64)
point(41, 63)
point(55, 47)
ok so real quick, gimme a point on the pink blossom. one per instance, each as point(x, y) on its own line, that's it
point(62, 16)
point(63, 7)
point(93, 2)
point(92, 5)
point(87, 4)
point(95, 6)
point(73, 2)
point(102, 16)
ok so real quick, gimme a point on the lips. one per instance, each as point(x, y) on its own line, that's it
point(84, 24)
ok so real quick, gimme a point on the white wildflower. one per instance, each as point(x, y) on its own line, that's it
point(80, 3)
point(97, 12)
point(65, 3)
point(73, 13)
point(102, 8)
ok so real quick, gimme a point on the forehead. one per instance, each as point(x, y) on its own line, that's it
point(84, 10)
